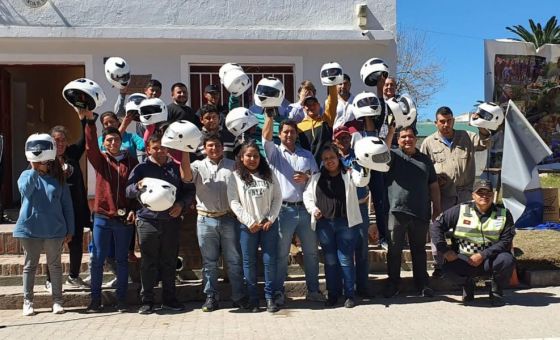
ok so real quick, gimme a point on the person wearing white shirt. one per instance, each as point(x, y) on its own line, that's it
point(255, 197)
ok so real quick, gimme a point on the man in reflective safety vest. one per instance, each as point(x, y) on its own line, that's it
point(481, 241)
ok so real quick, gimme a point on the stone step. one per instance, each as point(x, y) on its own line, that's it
point(12, 246)
point(11, 297)
point(12, 265)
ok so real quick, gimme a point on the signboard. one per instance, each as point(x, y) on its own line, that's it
point(515, 70)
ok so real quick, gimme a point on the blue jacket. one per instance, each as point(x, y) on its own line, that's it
point(46, 207)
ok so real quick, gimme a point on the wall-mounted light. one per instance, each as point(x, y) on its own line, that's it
point(361, 15)
point(34, 3)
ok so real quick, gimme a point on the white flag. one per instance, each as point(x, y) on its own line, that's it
point(523, 150)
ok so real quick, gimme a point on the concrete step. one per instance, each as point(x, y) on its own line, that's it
point(12, 265)
point(11, 297)
point(12, 246)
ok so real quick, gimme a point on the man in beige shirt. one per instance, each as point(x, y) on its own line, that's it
point(452, 152)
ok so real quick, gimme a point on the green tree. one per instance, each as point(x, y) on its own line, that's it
point(538, 36)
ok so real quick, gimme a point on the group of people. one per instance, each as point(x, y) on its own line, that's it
point(293, 172)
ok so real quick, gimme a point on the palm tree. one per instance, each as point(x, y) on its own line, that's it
point(538, 36)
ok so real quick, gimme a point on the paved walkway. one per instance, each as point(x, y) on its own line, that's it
point(530, 314)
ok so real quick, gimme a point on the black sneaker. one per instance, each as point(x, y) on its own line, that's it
point(254, 307)
point(364, 294)
point(331, 301)
point(426, 292)
point(173, 305)
point(349, 303)
point(497, 298)
point(390, 291)
point(242, 303)
point(94, 307)
point(146, 308)
point(210, 305)
point(122, 307)
point(271, 306)
point(468, 291)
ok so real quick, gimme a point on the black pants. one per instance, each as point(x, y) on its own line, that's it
point(75, 247)
point(400, 225)
point(501, 267)
point(159, 242)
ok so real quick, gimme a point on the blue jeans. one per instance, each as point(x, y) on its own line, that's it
point(338, 242)
point(215, 234)
point(105, 229)
point(297, 219)
point(361, 252)
point(268, 240)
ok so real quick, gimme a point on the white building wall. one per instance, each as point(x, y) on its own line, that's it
point(215, 19)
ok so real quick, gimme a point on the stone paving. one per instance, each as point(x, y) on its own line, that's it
point(529, 314)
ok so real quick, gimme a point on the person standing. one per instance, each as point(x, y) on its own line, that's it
point(293, 167)
point(46, 218)
point(158, 231)
point(113, 214)
point(178, 109)
point(69, 158)
point(453, 154)
point(255, 197)
point(413, 190)
point(342, 138)
point(217, 229)
point(332, 201)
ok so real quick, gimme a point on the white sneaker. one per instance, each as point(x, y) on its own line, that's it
point(57, 308)
point(315, 296)
point(28, 309)
point(111, 284)
point(48, 287)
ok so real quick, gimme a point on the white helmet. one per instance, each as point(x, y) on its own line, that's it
point(236, 82)
point(152, 110)
point(226, 68)
point(157, 194)
point(372, 70)
point(240, 120)
point(372, 153)
point(403, 109)
point(117, 72)
point(40, 147)
point(182, 135)
point(133, 103)
point(366, 104)
point(490, 116)
point(84, 94)
point(269, 92)
point(332, 74)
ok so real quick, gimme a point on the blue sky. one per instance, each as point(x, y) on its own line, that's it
point(456, 31)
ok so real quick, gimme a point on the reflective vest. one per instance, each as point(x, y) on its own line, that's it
point(473, 236)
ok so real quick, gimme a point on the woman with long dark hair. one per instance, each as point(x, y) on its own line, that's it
point(254, 196)
point(332, 201)
point(46, 217)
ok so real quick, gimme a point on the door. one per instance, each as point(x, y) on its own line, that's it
point(5, 129)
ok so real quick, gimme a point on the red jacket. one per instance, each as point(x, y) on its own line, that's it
point(111, 176)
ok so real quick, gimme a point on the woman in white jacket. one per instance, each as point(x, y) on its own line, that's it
point(255, 198)
point(332, 202)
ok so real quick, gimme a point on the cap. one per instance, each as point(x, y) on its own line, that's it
point(313, 98)
point(482, 184)
point(339, 131)
point(211, 88)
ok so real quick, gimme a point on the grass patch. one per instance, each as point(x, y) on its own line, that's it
point(550, 180)
point(537, 249)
